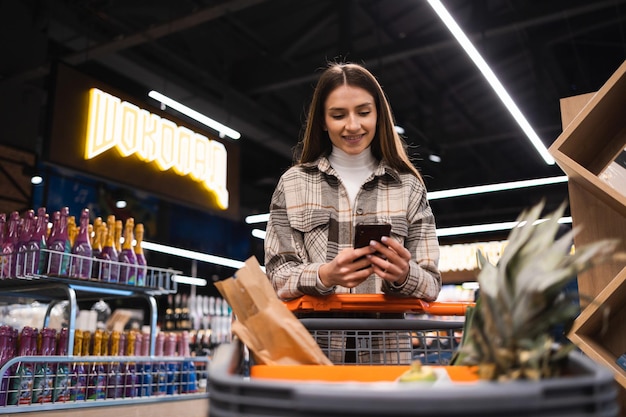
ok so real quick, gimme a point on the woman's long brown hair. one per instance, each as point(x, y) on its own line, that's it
point(387, 144)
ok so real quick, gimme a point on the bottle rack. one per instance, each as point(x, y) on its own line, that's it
point(50, 265)
point(29, 274)
point(151, 380)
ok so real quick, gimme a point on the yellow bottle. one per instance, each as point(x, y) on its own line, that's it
point(118, 236)
point(94, 230)
point(128, 274)
point(142, 268)
point(72, 230)
point(78, 372)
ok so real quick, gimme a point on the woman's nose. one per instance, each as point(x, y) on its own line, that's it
point(352, 123)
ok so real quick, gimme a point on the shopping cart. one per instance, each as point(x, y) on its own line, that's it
point(238, 387)
point(375, 329)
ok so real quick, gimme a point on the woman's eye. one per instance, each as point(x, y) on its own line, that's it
point(364, 113)
point(336, 116)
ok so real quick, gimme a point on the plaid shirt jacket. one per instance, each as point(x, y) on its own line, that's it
point(311, 221)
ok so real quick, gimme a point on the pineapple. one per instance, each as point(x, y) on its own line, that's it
point(507, 333)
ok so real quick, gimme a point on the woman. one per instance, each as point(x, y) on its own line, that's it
point(353, 169)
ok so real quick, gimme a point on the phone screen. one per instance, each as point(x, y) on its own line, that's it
point(366, 232)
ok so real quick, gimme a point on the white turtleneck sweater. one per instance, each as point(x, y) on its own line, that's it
point(353, 170)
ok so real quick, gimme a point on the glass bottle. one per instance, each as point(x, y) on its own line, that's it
point(115, 382)
point(146, 369)
point(7, 352)
point(130, 367)
point(128, 274)
point(22, 376)
point(188, 378)
point(78, 373)
point(36, 255)
point(94, 236)
point(169, 313)
point(44, 371)
point(140, 256)
point(184, 320)
point(72, 230)
point(160, 378)
point(62, 379)
point(25, 233)
point(177, 311)
point(96, 250)
point(109, 256)
point(59, 244)
point(3, 227)
point(96, 382)
point(81, 249)
point(119, 226)
point(172, 367)
point(9, 246)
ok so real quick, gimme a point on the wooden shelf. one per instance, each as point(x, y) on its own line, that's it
point(594, 133)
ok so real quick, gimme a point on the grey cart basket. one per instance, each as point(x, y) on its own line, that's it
point(588, 389)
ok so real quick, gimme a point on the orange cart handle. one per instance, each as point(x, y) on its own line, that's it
point(379, 303)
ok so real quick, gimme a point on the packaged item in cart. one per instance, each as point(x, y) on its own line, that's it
point(274, 335)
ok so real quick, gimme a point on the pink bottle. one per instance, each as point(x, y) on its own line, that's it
point(3, 228)
point(7, 351)
point(25, 233)
point(43, 385)
point(9, 247)
point(59, 243)
point(35, 257)
point(22, 375)
point(82, 261)
point(62, 379)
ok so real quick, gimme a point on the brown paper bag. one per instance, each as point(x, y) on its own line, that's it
point(274, 335)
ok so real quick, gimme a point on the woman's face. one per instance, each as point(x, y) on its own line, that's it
point(350, 118)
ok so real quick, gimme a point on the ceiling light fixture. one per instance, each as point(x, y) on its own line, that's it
point(458, 192)
point(36, 179)
point(184, 253)
point(490, 188)
point(497, 86)
point(483, 228)
point(433, 157)
point(183, 279)
point(223, 130)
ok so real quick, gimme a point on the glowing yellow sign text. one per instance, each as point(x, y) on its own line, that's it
point(114, 123)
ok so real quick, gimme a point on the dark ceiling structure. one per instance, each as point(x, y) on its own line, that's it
point(252, 65)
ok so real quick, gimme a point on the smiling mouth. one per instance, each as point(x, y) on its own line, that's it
point(353, 138)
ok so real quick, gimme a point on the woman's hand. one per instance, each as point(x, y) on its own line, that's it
point(391, 262)
point(349, 268)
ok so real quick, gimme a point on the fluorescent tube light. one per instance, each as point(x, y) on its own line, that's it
point(489, 188)
point(459, 192)
point(183, 279)
point(481, 228)
point(258, 218)
point(497, 86)
point(184, 253)
point(258, 233)
point(222, 129)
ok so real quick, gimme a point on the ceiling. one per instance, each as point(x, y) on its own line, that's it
point(252, 64)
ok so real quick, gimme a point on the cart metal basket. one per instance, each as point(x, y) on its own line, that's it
point(239, 388)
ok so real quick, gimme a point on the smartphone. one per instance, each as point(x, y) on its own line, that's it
point(366, 232)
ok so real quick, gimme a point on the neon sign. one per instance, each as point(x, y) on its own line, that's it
point(113, 123)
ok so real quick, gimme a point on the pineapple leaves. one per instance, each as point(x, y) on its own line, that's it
point(508, 333)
